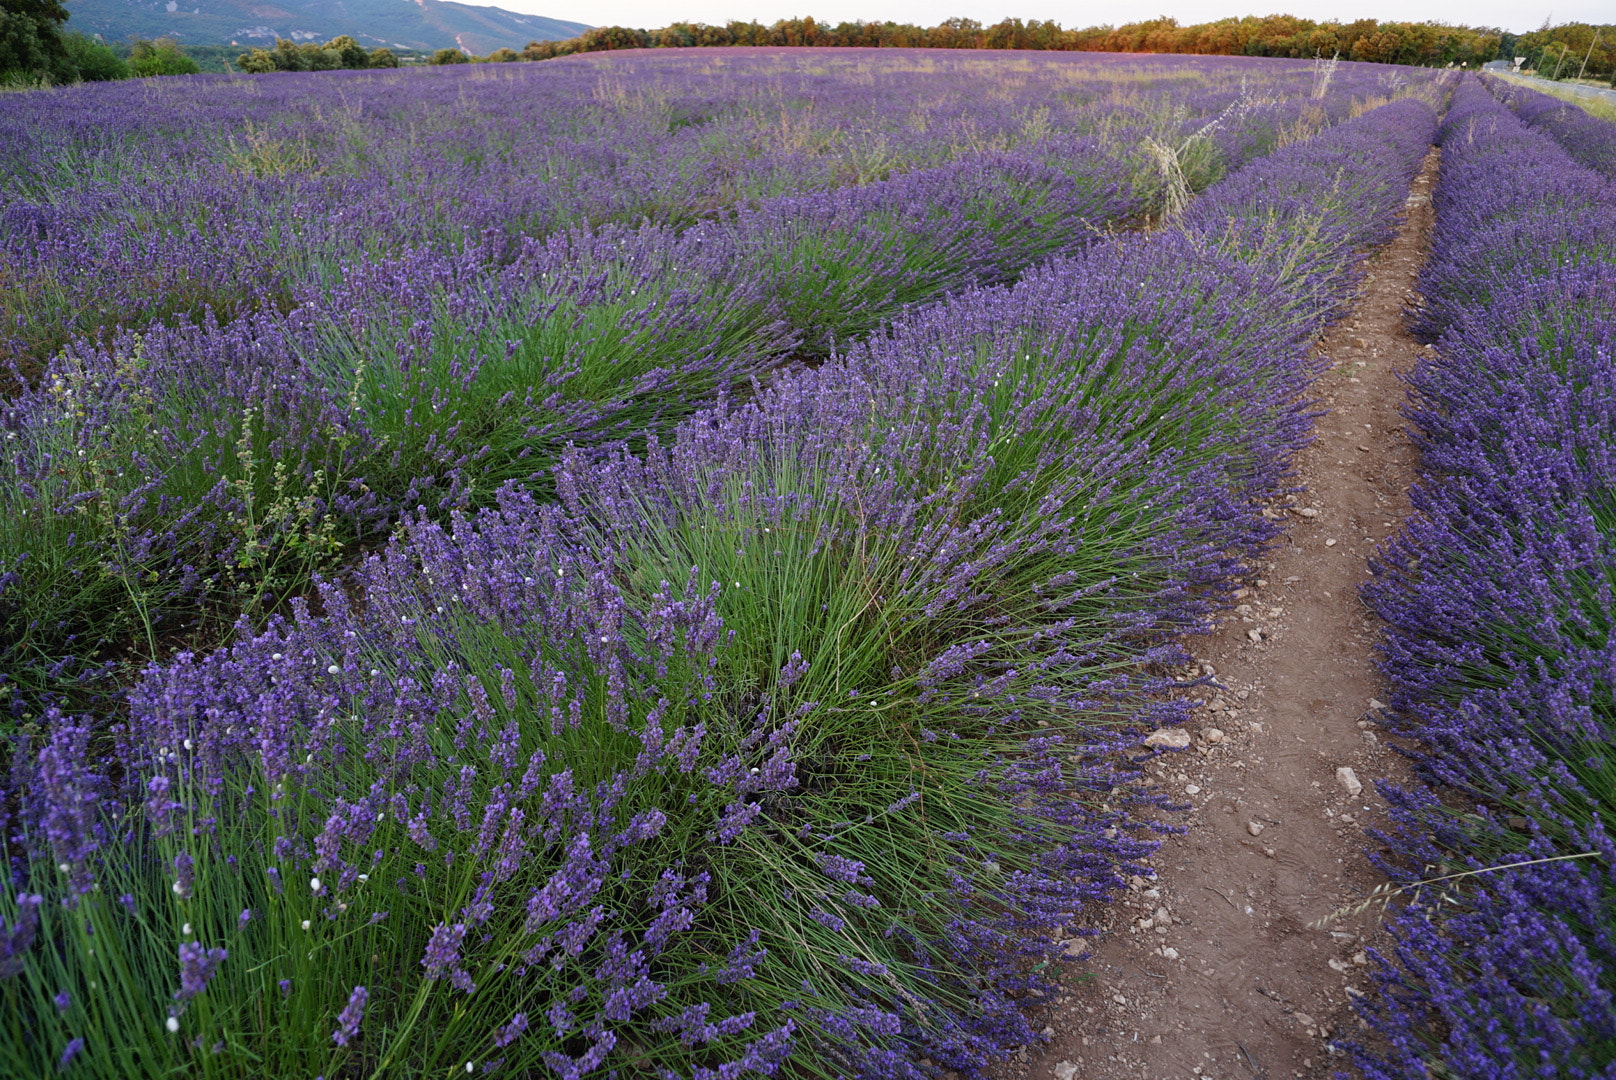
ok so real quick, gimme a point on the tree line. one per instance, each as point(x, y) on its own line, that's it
point(35, 48)
point(1423, 43)
point(1572, 51)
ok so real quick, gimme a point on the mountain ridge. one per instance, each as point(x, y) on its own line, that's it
point(418, 25)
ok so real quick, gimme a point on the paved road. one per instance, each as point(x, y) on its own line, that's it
point(1500, 66)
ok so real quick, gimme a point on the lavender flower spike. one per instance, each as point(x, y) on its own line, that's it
point(348, 1020)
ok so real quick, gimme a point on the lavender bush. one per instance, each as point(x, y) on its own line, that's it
point(1587, 139)
point(794, 735)
point(1498, 598)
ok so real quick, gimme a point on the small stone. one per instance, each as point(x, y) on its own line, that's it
point(1376, 703)
point(1119, 999)
point(1360, 958)
point(1169, 953)
point(1255, 635)
point(1212, 735)
point(1255, 828)
point(1192, 789)
point(1168, 739)
point(1348, 780)
point(1155, 1040)
point(1307, 512)
point(1256, 727)
point(1064, 1070)
point(1329, 543)
point(1305, 1020)
point(1339, 966)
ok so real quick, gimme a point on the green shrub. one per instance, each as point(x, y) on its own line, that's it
point(165, 56)
point(383, 58)
point(95, 60)
point(449, 56)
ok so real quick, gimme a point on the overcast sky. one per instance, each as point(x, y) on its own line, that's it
point(1517, 16)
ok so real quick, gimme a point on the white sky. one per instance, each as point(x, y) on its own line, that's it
point(1516, 16)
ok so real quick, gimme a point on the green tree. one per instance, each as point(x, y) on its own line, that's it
point(382, 58)
point(257, 62)
point(164, 56)
point(350, 54)
point(503, 56)
point(31, 45)
point(94, 60)
point(448, 56)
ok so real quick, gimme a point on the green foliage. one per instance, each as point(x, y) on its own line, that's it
point(165, 56)
point(1571, 51)
point(31, 45)
point(448, 56)
point(503, 56)
point(382, 58)
point(340, 52)
point(94, 60)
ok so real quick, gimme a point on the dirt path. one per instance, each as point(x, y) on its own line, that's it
point(1211, 970)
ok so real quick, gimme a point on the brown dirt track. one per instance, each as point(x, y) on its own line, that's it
point(1211, 970)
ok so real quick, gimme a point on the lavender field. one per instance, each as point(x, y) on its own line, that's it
point(657, 565)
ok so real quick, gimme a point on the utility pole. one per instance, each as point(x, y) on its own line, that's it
point(1589, 53)
point(1564, 50)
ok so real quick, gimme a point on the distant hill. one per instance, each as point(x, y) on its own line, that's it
point(396, 24)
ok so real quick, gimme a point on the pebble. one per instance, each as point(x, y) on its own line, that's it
point(1192, 789)
point(1348, 780)
point(1255, 635)
point(1307, 512)
point(1376, 703)
point(1169, 953)
point(1329, 543)
point(1212, 735)
point(1065, 1070)
point(1255, 828)
point(1168, 738)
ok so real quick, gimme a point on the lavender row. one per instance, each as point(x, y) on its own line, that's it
point(123, 204)
point(1588, 139)
point(210, 468)
point(169, 479)
point(1498, 599)
point(798, 737)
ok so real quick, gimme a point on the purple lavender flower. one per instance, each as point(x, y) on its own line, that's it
point(72, 1050)
point(511, 1031)
point(14, 943)
point(348, 1020)
point(184, 875)
point(197, 966)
